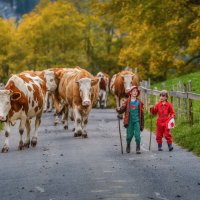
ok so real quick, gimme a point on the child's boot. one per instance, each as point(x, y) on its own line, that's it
point(160, 147)
point(170, 147)
point(138, 149)
point(128, 148)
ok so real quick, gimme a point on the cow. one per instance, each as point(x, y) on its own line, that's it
point(103, 89)
point(79, 90)
point(2, 86)
point(49, 77)
point(22, 99)
point(121, 83)
point(57, 101)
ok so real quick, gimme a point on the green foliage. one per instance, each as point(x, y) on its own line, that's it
point(1, 126)
point(158, 35)
point(160, 38)
point(188, 137)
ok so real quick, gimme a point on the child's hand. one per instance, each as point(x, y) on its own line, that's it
point(118, 109)
point(151, 108)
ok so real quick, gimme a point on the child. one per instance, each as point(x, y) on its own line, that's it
point(134, 118)
point(164, 110)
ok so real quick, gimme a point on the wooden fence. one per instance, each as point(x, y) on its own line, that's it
point(184, 99)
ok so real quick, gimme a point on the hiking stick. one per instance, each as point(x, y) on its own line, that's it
point(150, 131)
point(120, 135)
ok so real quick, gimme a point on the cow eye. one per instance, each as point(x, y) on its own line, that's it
point(51, 80)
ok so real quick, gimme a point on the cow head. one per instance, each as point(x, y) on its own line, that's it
point(6, 96)
point(100, 75)
point(85, 88)
point(50, 80)
point(127, 81)
point(2, 86)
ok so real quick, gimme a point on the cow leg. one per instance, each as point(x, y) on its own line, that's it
point(65, 117)
point(28, 129)
point(98, 102)
point(35, 135)
point(56, 105)
point(106, 100)
point(56, 120)
point(78, 119)
point(84, 123)
point(50, 103)
point(103, 99)
point(46, 102)
point(7, 134)
point(21, 131)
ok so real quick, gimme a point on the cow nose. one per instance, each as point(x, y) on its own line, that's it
point(86, 103)
point(2, 118)
point(127, 90)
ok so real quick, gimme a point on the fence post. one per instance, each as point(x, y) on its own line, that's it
point(149, 95)
point(185, 103)
point(163, 86)
point(172, 97)
point(190, 104)
point(142, 95)
point(136, 70)
point(179, 102)
point(146, 95)
point(156, 97)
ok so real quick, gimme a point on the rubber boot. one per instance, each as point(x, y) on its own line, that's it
point(160, 147)
point(170, 147)
point(138, 149)
point(128, 148)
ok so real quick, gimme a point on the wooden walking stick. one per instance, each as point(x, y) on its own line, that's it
point(150, 131)
point(120, 135)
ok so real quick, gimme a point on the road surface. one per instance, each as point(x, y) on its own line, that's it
point(62, 167)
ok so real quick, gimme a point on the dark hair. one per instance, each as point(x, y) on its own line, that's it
point(164, 93)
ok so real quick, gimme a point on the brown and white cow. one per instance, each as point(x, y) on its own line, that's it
point(2, 86)
point(49, 77)
point(22, 99)
point(103, 89)
point(121, 83)
point(79, 90)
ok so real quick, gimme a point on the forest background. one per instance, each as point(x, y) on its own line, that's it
point(159, 38)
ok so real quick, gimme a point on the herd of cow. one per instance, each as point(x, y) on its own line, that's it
point(72, 91)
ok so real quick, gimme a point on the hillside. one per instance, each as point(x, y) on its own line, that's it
point(194, 77)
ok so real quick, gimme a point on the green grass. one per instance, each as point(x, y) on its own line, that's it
point(194, 77)
point(1, 126)
point(185, 135)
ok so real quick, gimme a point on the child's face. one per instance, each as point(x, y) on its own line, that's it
point(163, 98)
point(134, 92)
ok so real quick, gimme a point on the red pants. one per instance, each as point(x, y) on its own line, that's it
point(160, 131)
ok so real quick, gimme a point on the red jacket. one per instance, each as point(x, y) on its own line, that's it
point(164, 111)
point(126, 108)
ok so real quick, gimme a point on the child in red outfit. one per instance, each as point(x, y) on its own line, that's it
point(165, 111)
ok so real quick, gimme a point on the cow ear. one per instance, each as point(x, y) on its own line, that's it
point(15, 96)
point(59, 74)
point(94, 81)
